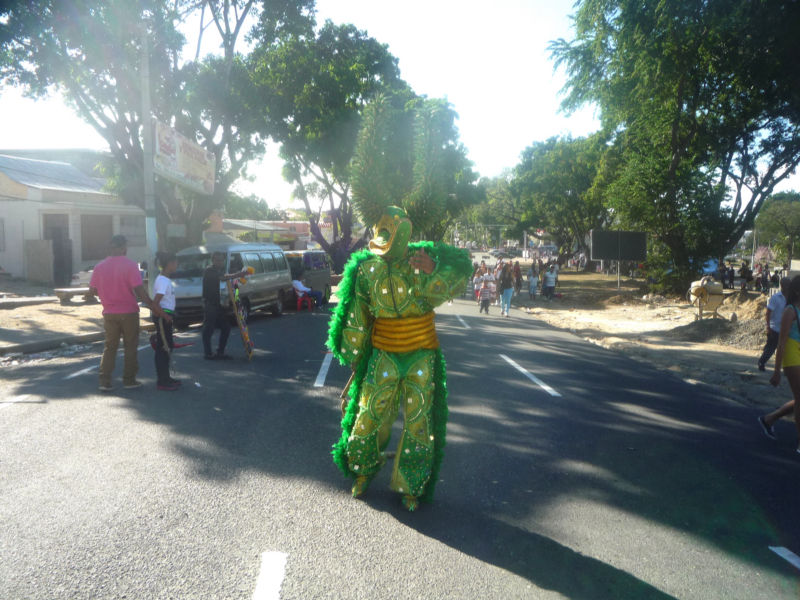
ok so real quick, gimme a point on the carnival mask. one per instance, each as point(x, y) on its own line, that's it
point(392, 233)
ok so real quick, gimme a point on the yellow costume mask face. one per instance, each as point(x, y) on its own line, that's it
point(392, 234)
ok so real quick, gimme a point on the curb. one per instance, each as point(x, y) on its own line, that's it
point(12, 303)
point(56, 342)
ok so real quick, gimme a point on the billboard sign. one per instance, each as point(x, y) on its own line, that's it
point(183, 161)
point(618, 245)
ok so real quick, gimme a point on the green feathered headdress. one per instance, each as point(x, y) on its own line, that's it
point(392, 168)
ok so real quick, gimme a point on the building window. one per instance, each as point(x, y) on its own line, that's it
point(2, 235)
point(133, 228)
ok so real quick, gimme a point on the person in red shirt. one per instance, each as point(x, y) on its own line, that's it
point(117, 282)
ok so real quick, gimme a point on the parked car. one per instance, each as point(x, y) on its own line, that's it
point(269, 287)
point(315, 266)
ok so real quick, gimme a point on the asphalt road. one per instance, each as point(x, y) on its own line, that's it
point(570, 472)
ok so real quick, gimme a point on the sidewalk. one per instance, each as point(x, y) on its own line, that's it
point(38, 324)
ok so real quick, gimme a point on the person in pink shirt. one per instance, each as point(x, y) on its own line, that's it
point(117, 281)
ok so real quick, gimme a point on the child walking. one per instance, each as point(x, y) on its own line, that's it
point(485, 297)
point(164, 296)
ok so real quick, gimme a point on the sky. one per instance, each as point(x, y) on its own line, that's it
point(488, 59)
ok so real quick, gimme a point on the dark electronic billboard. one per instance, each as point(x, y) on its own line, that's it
point(618, 245)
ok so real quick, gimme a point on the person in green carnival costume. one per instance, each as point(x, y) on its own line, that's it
point(383, 328)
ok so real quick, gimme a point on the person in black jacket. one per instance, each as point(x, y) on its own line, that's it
point(214, 316)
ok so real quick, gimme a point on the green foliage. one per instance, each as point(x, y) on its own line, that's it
point(778, 223)
point(700, 97)
point(559, 190)
point(313, 88)
point(251, 207)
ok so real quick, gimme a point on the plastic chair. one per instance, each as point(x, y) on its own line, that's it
point(305, 299)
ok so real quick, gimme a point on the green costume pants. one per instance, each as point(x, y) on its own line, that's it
point(395, 380)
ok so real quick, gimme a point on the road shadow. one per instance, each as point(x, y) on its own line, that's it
point(621, 434)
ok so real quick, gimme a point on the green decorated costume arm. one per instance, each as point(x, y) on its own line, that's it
point(357, 323)
point(453, 269)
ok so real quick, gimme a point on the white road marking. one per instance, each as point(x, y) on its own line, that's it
point(270, 578)
point(787, 555)
point(81, 372)
point(93, 367)
point(463, 322)
point(531, 376)
point(13, 400)
point(323, 370)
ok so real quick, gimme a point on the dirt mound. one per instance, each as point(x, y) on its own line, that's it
point(747, 305)
point(619, 299)
point(747, 335)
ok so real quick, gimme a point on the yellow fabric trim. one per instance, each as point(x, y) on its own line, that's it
point(405, 334)
point(791, 353)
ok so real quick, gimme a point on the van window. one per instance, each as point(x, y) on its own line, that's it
point(319, 262)
point(295, 262)
point(192, 265)
point(235, 263)
point(307, 261)
point(280, 261)
point(251, 260)
point(266, 260)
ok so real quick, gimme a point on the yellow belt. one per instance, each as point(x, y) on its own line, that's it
point(405, 334)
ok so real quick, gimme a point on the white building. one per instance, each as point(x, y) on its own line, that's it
point(55, 221)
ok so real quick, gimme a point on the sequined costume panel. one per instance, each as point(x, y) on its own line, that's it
point(395, 381)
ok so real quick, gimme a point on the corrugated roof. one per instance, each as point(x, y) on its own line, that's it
point(251, 224)
point(46, 174)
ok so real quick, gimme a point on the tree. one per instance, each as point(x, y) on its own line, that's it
point(559, 189)
point(251, 207)
point(91, 51)
point(701, 99)
point(778, 222)
point(313, 89)
point(411, 157)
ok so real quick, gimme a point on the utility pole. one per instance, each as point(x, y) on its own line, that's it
point(147, 147)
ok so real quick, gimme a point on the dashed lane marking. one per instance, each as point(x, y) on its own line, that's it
point(463, 322)
point(270, 578)
point(531, 376)
point(81, 372)
point(14, 400)
point(787, 555)
point(93, 367)
point(323, 370)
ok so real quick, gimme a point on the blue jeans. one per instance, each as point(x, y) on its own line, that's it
point(505, 302)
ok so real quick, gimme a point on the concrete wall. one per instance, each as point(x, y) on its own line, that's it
point(21, 221)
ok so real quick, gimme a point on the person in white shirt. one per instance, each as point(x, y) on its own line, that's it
point(301, 289)
point(164, 296)
point(549, 280)
point(774, 312)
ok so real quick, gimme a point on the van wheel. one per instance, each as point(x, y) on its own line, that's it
point(245, 310)
point(277, 308)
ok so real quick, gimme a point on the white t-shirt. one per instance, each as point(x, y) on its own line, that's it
point(163, 285)
point(299, 288)
point(776, 304)
point(549, 278)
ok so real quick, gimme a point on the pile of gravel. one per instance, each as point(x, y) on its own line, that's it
point(747, 335)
